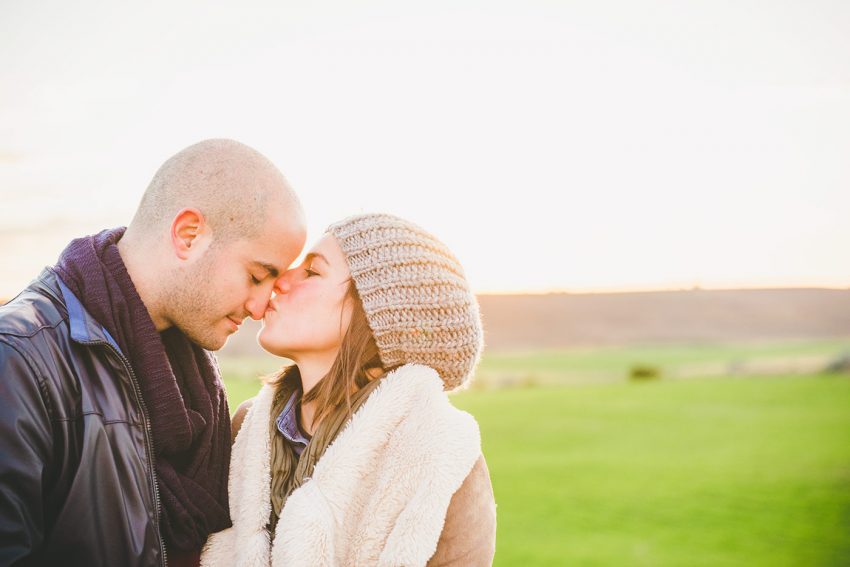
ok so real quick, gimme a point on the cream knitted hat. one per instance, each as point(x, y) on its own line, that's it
point(415, 295)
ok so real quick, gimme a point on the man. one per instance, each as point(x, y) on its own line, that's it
point(114, 427)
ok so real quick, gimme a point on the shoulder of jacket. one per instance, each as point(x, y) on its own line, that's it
point(249, 423)
point(416, 379)
point(411, 406)
point(239, 417)
point(30, 313)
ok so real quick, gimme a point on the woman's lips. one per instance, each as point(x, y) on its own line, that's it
point(272, 305)
point(270, 309)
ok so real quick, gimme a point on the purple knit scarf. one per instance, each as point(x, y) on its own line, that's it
point(180, 386)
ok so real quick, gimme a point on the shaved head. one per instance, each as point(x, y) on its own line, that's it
point(214, 229)
point(233, 185)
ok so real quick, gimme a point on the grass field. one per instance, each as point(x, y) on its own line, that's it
point(715, 471)
point(700, 472)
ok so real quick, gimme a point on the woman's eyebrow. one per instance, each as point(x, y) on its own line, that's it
point(314, 255)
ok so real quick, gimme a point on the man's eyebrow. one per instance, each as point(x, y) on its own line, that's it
point(274, 272)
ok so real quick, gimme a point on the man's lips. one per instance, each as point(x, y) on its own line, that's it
point(235, 322)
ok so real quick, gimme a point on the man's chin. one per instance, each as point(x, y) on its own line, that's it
point(208, 342)
point(217, 345)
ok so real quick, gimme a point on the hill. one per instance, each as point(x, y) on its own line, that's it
point(515, 322)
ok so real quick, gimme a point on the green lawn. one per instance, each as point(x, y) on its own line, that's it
point(720, 471)
point(700, 472)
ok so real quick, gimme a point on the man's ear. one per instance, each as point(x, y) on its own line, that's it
point(187, 228)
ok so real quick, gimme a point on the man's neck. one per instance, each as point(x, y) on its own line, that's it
point(137, 276)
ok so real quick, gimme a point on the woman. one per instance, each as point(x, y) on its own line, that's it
point(354, 455)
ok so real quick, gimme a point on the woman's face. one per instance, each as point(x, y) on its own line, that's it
point(310, 312)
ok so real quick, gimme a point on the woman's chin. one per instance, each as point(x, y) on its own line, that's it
point(277, 351)
point(267, 344)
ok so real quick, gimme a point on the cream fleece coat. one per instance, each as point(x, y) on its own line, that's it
point(378, 496)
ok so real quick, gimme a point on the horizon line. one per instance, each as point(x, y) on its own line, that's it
point(661, 289)
point(625, 290)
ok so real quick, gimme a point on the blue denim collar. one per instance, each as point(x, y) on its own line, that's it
point(287, 423)
point(84, 328)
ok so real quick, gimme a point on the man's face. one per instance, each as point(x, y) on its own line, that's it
point(232, 281)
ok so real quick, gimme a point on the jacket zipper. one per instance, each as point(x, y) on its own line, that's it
point(148, 443)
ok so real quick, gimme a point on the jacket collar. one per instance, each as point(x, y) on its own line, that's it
point(84, 328)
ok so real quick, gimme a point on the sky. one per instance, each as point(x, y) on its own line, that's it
point(554, 146)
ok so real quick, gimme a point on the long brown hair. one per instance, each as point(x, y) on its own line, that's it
point(357, 354)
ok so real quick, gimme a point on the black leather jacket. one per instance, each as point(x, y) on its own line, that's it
point(77, 481)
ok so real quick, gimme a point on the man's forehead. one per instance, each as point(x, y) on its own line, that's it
point(271, 254)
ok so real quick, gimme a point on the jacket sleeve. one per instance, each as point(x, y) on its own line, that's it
point(469, 532)
point(25, 452)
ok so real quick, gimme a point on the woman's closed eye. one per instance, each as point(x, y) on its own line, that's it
point(310, 272)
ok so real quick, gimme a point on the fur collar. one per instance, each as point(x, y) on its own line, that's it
point(379, 494)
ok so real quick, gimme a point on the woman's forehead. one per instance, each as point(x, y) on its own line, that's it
point(327, 250)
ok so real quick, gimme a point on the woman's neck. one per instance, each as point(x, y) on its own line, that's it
point(312, 369)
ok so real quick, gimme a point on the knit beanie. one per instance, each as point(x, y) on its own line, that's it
point(418, 303)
